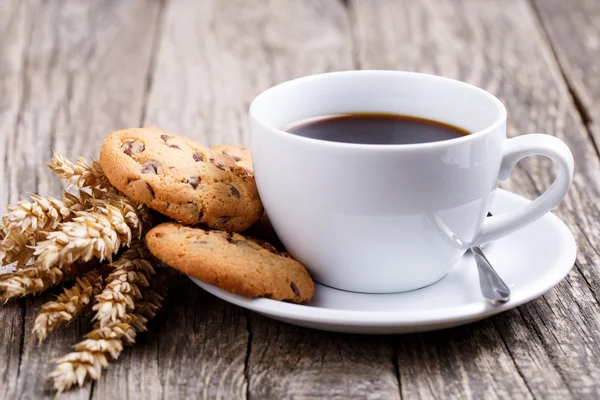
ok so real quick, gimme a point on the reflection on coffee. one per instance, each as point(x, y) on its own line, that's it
point(375, 128)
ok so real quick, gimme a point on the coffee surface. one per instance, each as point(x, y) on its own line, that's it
point(375, 128)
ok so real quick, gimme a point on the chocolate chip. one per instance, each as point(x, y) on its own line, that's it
point(201, 242)
point(194, 181)
point(235, 158)
point(126, 148)
point(150, 167)
point(200, 213)
point(159, 234)
point(174, 146)
point(198, 157)
point(165, 137)
point(269, 247)
point(132, 147)
point(234, 191)
point(220, 166)
point(150, 189)
point(295, 289)
point(223, 220)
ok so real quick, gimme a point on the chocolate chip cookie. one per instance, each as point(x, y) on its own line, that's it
point(237, 264)
point(181, 178)
point(240, 155)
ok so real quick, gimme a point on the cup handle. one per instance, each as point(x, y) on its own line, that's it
point(517, 148)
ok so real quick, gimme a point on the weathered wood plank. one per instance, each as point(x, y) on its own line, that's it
point(466, 362)
point(15, 27)
point(15, 20)
point(291, 362)
point(217, 56)
point(76, 71)
point(547, 347)
point(227, 52)
point(196, 348)
point(82, 70)
point(573, 29)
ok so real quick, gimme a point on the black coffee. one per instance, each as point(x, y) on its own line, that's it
point(371, 128)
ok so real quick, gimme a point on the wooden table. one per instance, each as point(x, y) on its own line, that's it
point(71, 72)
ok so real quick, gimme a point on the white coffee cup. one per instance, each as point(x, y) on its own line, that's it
point(390, 218)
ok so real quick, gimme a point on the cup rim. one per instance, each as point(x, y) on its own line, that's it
point(499, 120)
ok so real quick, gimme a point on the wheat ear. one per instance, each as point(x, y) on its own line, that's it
point(104, 343)
point(16, 247)
point(89, 235)
point(39, 214)
point(68, 305)
point(35, 279)
point(137, 216)
point(81, 173)
point(131, 273)
point(27, 223)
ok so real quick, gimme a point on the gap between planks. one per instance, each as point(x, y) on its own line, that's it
point(158, 32)
point(582, 112)
point(248, 353)
point(578, 104)
point(18, 121)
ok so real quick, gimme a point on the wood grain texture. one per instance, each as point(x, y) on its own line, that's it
point(216, 56)
point(546, 348)
point(73, 71)
point(15, 22)
point(195, 349)
point(573, 29)
point(227, 52)
point(292, 362)
point(198, 347)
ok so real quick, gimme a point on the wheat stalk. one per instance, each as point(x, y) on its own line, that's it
point(43, 213)
point(80, 174)
point(89, 235)
point(91, 355)
point(16, 247)
point(124, 285)
point(136, 215)
point(68, 305)
point(46, 213)
point(34, 279)
point(28, 222)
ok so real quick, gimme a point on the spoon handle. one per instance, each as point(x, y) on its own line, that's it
point(493, 287)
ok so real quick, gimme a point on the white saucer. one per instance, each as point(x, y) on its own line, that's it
point(531, 261)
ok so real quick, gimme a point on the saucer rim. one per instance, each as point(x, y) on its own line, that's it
point(305, 313)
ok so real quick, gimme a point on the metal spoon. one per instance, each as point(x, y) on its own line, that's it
point(492, 286)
